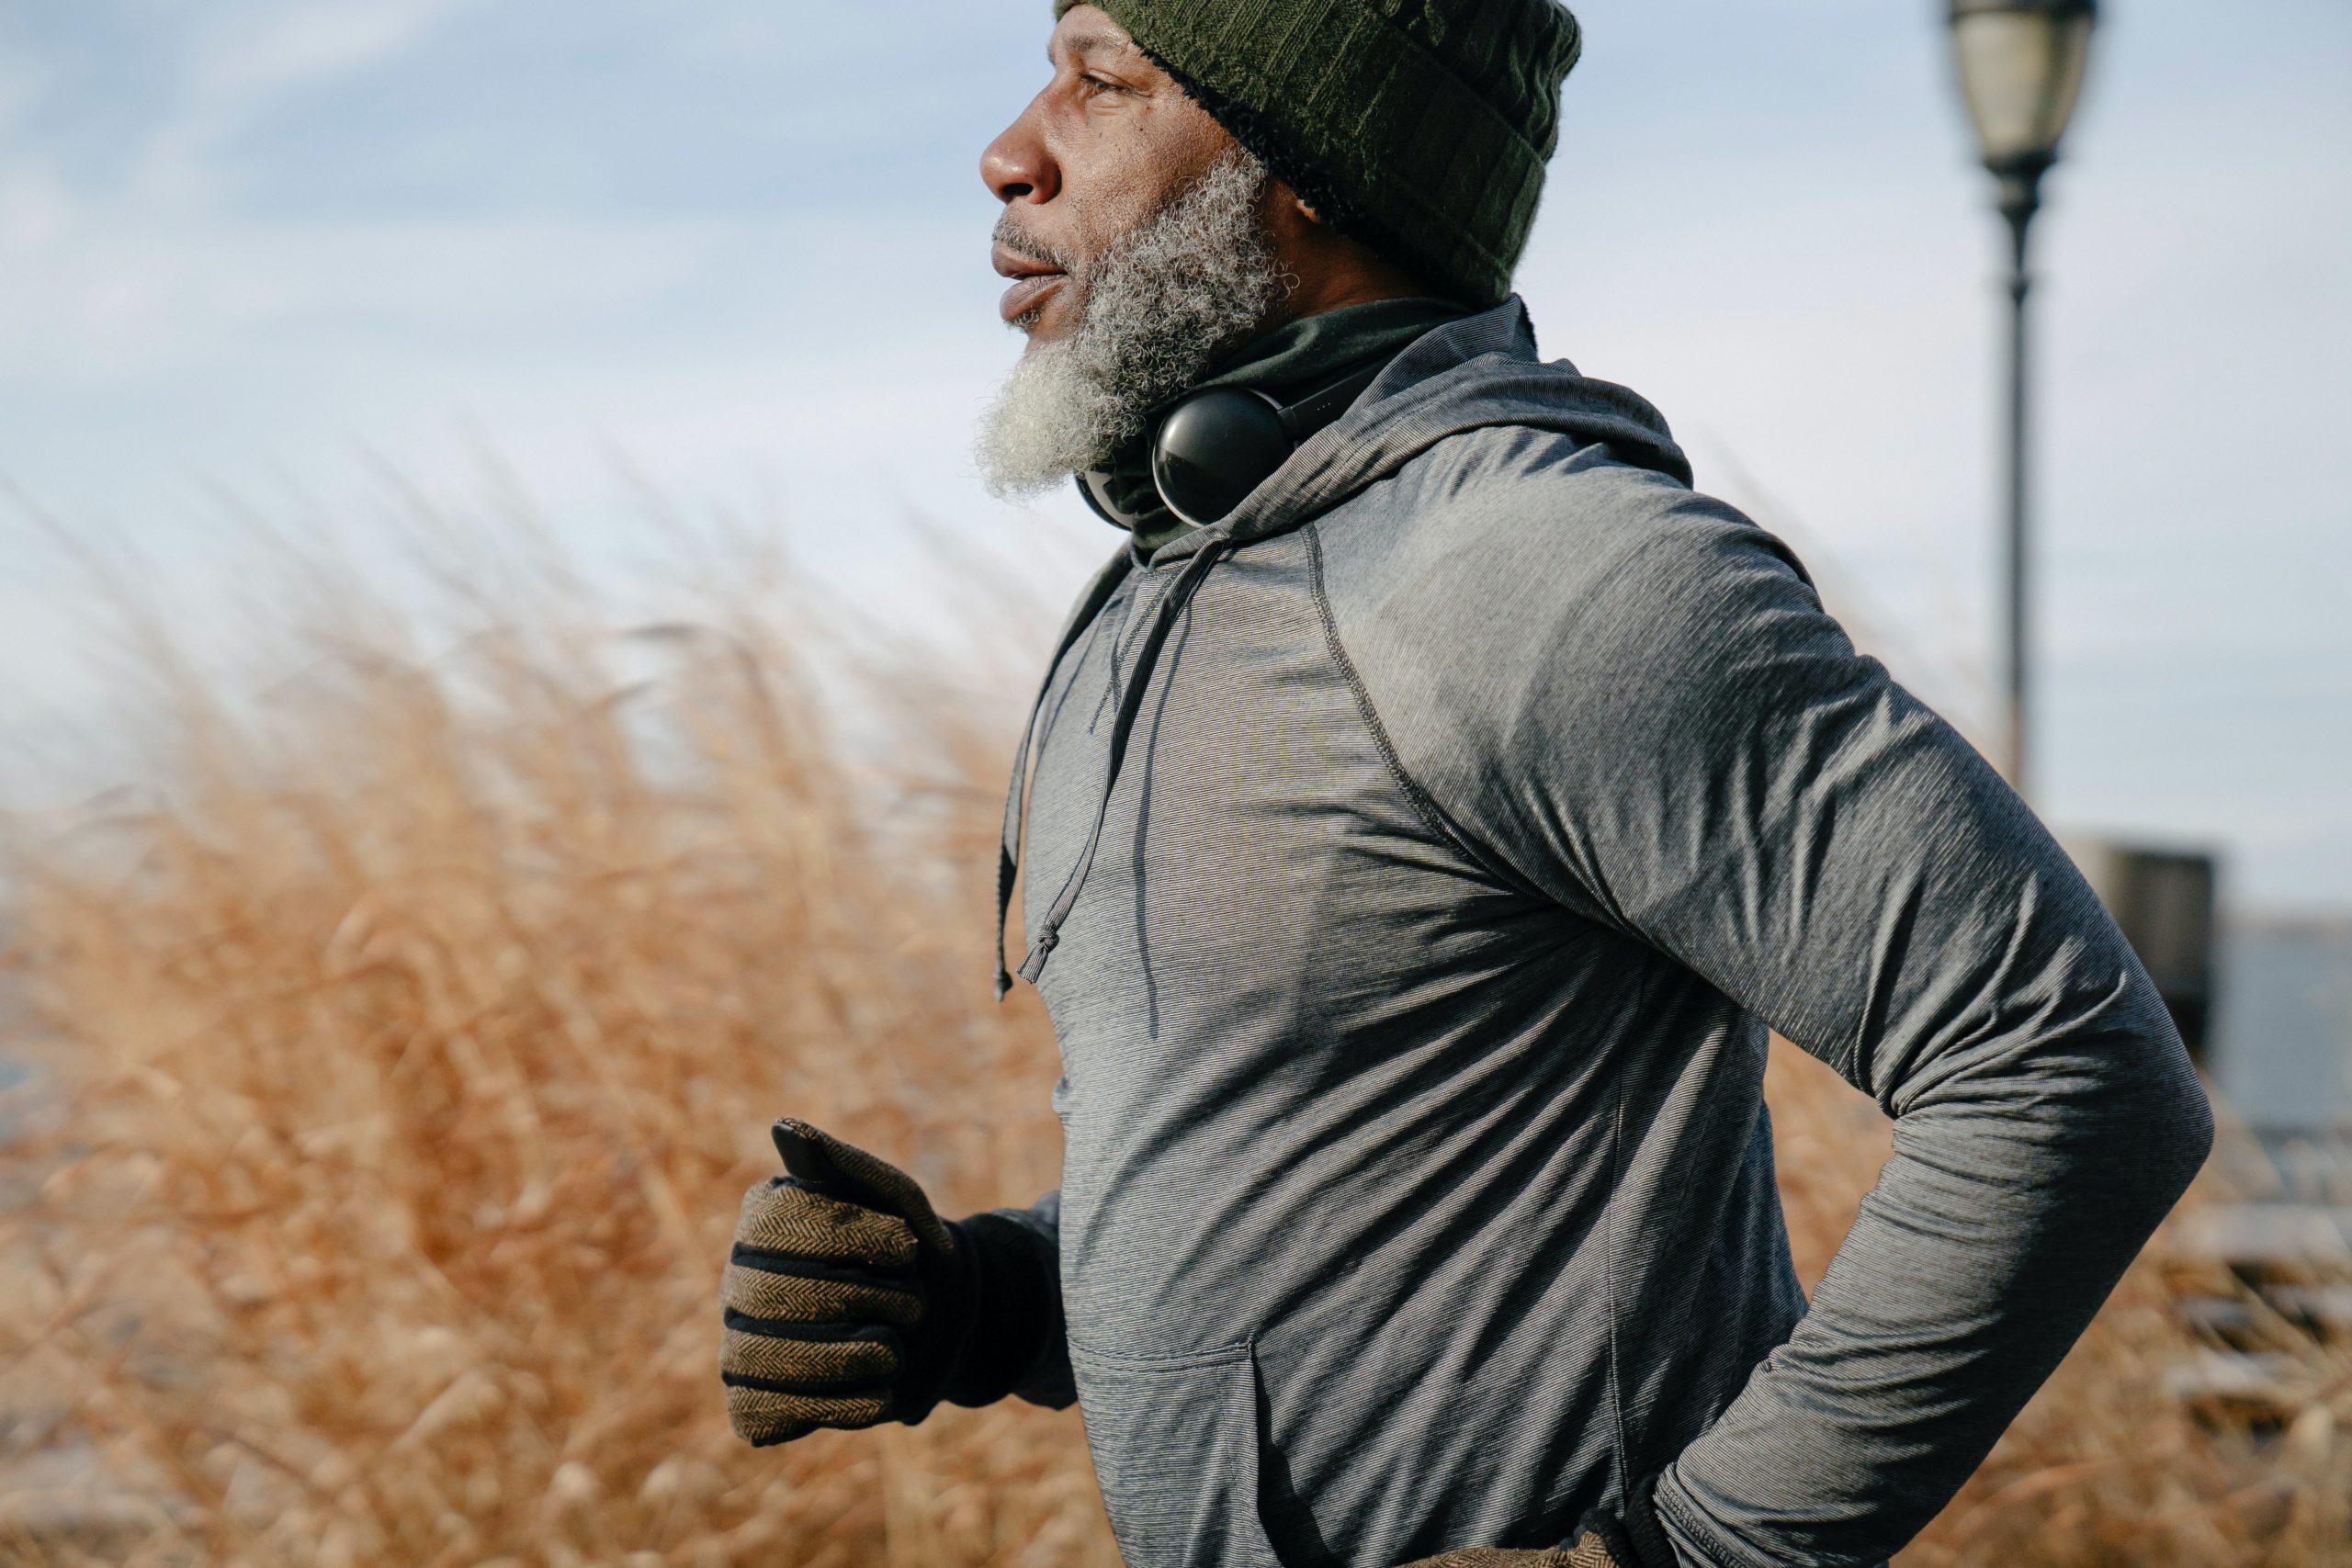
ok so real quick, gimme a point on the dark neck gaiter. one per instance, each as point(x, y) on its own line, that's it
point(1292, 359)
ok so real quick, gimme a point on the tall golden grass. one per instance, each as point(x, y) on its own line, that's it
point(408, 1037)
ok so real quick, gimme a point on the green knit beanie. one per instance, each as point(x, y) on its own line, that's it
point(1420, 127)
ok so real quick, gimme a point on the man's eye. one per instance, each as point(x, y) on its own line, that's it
point(1096, 84)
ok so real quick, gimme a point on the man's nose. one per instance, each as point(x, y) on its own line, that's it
point(1016, 165)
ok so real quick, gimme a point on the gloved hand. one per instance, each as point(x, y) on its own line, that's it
point(847, 1302)
point(1590, 1552)
point(1591, 1549)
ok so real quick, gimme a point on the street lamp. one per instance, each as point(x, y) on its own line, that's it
point(2020, 70)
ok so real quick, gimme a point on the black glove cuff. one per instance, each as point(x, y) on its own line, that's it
point(991, 1310)
point(950, 1285)
point(1635, 1538)
point(1015, 1310)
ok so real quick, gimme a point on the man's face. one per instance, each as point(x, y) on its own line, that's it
point(1107, 142)
point(1136, 231)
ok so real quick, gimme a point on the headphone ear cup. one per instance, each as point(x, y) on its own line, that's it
point(1213, 448)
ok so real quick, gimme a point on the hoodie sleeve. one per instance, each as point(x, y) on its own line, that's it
point(1695, 750)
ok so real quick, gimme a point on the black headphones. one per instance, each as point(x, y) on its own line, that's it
point(1212, 447)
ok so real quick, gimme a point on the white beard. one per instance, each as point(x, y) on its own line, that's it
point(1159, 305)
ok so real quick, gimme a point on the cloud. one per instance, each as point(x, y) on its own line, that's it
point(138, 276)
point(294, 42)
point(242, 59)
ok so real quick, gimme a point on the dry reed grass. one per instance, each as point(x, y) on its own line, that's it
point(408, 1046)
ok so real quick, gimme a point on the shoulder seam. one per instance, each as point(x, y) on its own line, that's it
point(1424, 804)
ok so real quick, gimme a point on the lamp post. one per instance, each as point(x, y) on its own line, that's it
point(2020, 72)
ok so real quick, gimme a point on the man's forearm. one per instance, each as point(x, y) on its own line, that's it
point(2022, 1184)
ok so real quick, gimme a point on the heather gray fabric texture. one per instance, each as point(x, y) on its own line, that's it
point(1487, 795)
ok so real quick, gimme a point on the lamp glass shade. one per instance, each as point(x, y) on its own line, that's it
point(2020, 72)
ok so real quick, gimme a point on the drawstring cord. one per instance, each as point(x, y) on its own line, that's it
point(1015, 815)
point(1130, 702)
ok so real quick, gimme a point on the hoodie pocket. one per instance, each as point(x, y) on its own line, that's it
point(1175, 1441)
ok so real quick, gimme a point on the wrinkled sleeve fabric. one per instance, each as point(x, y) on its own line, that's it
point(1691, 747)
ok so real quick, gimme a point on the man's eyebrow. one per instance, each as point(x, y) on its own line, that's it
point(1096, 42)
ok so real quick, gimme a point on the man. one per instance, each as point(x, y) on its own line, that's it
point(1421, 851)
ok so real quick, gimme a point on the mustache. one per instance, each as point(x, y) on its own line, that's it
point(1021, 244)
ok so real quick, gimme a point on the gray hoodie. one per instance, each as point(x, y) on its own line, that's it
point(1416, 863)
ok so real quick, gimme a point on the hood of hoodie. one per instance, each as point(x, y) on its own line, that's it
point(1481, 369)
point(1478, 370)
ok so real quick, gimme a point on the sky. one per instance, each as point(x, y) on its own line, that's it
point(253, 254)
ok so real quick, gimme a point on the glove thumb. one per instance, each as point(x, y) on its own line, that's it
point(824, 1165)
point(806, 1161)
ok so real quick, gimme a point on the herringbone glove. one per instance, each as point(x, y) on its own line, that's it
point(846, 1301)
point(1590, 1552)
